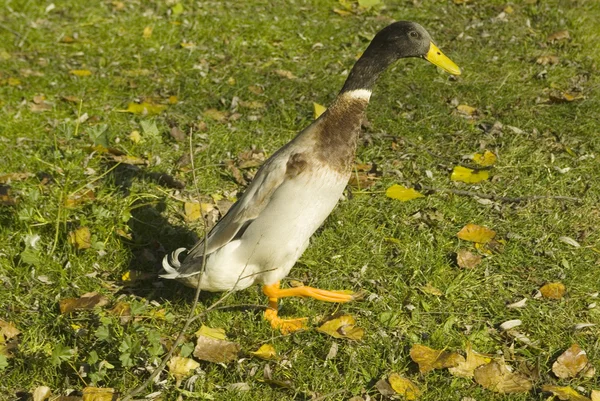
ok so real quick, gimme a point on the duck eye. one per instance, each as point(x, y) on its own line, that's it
point(413, 34)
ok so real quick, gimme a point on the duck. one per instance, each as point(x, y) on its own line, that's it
point(267, 230)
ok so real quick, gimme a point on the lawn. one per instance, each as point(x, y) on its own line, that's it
point(103, 103)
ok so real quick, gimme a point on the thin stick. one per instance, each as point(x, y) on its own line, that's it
point(499, 198)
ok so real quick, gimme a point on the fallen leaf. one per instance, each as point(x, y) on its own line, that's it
point(318, 110)
point(41, 393)
point(467, 260)
point(10, 177)
point(497, 377)
point(466, 110)
point(136, 275)
point(12, 81)
point(553, 290)
point(343, 13)
point(570, 362)
point(402, 193)
point(342, 327)
point(564, 393)
point(144, 108)
point(510, 324)
point(429, 359)
point(67, 39)
point(595, 395)
point(404, 387)
point(127, 159)
point(89, 300)
point(193, 211)
point(81, 238)
point(266, 352)
point(214, 350)
point(214, 114)
point(6, 198)
point(564, 97)
point(135, 136)
point(80, 73)
point(217, 334)
point(384, 387)
point(257, 90)
point(285, 74)
point(8, 330)
point(177, 9)
point(474, 233)
point(558, 36)
point(465, 174)
point(569, 241)
point(486, 158)
point(429, 289)
point(547, 60)
point(147, 32)
point(177, 134)
point(472, 362)
point(123, 311)
point(181, 367)
point(99, 394)
point(518, 304)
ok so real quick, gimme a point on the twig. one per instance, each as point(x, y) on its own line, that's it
point(499, 198)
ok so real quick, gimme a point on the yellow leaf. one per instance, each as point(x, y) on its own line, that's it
point(595, 395)
point(7, 330)
point(13, 81)
point(78, 198)
point(475, 233)
point(318, 109)
point(429, 289)
point(173, 99)
point(89, 300)
point(466, 110)
point(145, 108)
point(135, 136)
point(402, 193)
point(509, 10)
point(181, 367)
point(147, 32)
point(80, 73)
point(99, 394)
point(553, 290)
point(464, 174)
point(472, 362)
point(188, 45)
point(266, 352)
point(565, 393)
point(486, 158)
point(404, 387)
point(570, 362)
point(41, 393)
point(342, 327)
point(215, 114)
point(496, 376)
point(193, 211)
point(343, 13)
point(136, 275)
point(217, 334)
point(429, 359)
point(81, 238)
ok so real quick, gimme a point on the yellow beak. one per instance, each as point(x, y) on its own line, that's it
point(435, 56)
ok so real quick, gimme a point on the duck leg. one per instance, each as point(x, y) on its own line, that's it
point(286, 326)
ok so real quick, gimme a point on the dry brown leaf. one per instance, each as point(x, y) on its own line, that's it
point(266, 352)
point(474, 233)
point(564, 393)
point(472, 362)
point(497, 377)
point(285, 74)
point(595, 395)
point(6, 198)
point(553, 290)
point(429, 289)
point(429, 359)
point(558, 36)
point(99, 394)
point(384, 387)
point(81, 238)
point(570, 362)
point(79, 198)
point(470, 176)
point(89, 300)
point(342, 327)
point(123, 311)
point(181, 367)
point(467, 260)
point(178, 134)
point(404, 387)
point(8, 330)
point(547, 60)
point(215, 114)
point(8, 178)
point(216, 351)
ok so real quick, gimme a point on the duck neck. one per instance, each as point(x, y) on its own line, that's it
point(368, 68)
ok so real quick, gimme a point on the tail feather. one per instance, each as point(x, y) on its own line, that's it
point(171, 265)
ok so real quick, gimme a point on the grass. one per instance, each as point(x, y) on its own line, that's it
point(237, 45)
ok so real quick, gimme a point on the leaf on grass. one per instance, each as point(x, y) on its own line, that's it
point(217, 334)
point(564, 97)
point(266, 352)
point(8, 330)
point(285, 74)
point(136, 275)
point(80, 197)
point(127, 159)
point(80, 73)
point(89, 300)
point(135, 136)
point(147, 32)
point(564, 393)
point(99, 394)
point(81, 238)
point(498, 377)
point(9, 177)
point(558, 36)
point(486, 158)
point(177, 9)
point(343, 13)
point(193, 211)
point(12, 81)
point(472, 362)
point(467, 260)
point(569, 241)
point(595, 395)
point(318, 110)
point(122, 310)
point(177, 134)
point(384, 387)
point(553, 290)
point(570, 362)
point(404, 387)
point(41, 393)
point(465, 174)
point(402, 193)
point(466, 110)
point(214, 350)
point(181, 367)
point(429, 359)
point(429, 289)
point(144, 108)
point(474, 233)
point(547, 60)
point(214, 114)
point(342, 327)
point(6, 198)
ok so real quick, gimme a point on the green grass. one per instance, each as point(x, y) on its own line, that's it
point(241, 44)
